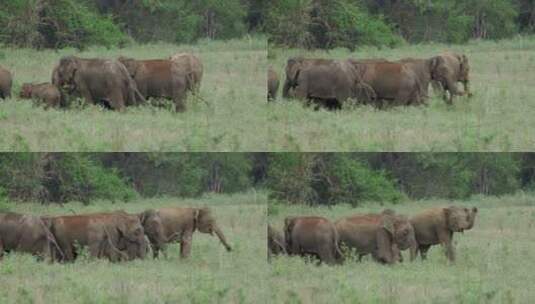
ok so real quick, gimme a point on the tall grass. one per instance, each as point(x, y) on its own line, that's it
point(494, 261)
point(211, 275)
point(497, 118)
point(224, 117)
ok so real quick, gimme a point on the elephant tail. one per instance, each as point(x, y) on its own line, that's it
point(336, 240)
point(51, 239)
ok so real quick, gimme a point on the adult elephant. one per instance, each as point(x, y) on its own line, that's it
point(330, 82)
point(425, 70)
point(273, 84)
point(392, 82)
point(192, 66)
point(6, 82)
point(381, 235)
point(98, 81)
point(437, 225)
point(451, 69)
point(117, 235)
point(276, 243)
point(314, 236)
point(26, 233)
point(174, 224)
point(159, 78)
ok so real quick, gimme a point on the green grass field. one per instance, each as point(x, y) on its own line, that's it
point(494, 261)
point(498, 118)
point(211, 275)
point(233, 88)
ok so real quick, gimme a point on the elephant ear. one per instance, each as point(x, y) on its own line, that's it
point(131, 65)
point(388, 224)
point(434, 63)
point(293, 68)
point(145, 215)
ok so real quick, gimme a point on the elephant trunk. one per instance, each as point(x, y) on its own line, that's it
point(286, 89)
point(221, 237)
point(413, 250)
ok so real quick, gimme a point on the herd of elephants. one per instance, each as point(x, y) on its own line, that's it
point(379, 82)
point(114, 84)
point(383, 235)
point(117, 236)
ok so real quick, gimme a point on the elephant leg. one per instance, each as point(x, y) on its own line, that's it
point(1, 249)
point(467, 91)
point(117, 100)
point(185, 245)
point(423, 251)
point(445, 240)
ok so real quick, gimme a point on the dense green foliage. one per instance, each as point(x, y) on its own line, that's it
point(307, 178)
point(350, 23)
point(80, 23)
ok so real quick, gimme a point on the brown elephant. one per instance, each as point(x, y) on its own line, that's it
point(329, 82)
point(46, 93)
point(313, 236)
point(425, 70)
point(192, 67)
point(117, 236)
point(159, 78)
point(273, 84)
point(452, 68)
point(392, 82)
point(98, 81)
point(437, 225)
point(6, 82)
point(174, 224)
point(381, 235)
point(26, 233)
point(276, 243)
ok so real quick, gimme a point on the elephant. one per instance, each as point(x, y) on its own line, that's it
point(46, 93)
point(452, 68)
point(6, 82)
point(175, 224)
point(159, 78)
point(381, 235)
point(437, 225)
point(273, 84)
point(26, 233)
point(192, 66)
point(331, 82)
point(276, 243)
point(117, 235)
point(312, 235)
point(425, 70)
point(98, 81)
point(391, 81)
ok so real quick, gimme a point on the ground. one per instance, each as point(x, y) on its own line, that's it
point(225, 117)
point(497, 118)
point(494, 261)
point(211, 275)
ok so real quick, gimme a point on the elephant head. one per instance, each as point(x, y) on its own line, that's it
point(205, 223)
point(63, 76)
point(26, 91)
point(293, 67)
point(275, 241)
point(458, 219)
point(131, 236)
point(131, 65)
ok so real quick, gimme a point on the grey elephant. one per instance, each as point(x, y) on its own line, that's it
point(452, 68)
point(174, 224)
point(46, 93)
point(393, 83)
point(26, 233)
point(312, 236)
point(273, 84)
point(437, 225)
point(329, 82)
point(192, 66)
point(117, 236)
point(98, 81)
point(381, 235)
point(6, 82)
point(159, 78)
point(276, 243)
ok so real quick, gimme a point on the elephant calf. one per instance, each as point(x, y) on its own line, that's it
point(312, 235)
point(273, 84)
point(44, 92)
point(437, 225)
point(276, 243)
point(159, 78)
point(381, 235)
point(6, 82)
point(174, 224)
point(25, 233)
